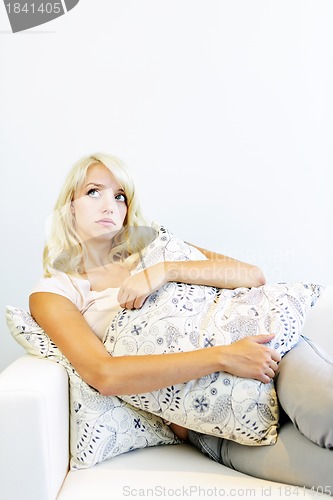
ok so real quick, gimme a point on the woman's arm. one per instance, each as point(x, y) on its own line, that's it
point(218, 271)
point(66, 326)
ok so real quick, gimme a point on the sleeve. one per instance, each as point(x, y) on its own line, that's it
point(60, 284)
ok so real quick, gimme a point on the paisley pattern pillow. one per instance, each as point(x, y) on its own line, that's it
point(101, 427)
point(183, 317)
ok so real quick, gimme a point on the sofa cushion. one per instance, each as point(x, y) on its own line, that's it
point(101, 427)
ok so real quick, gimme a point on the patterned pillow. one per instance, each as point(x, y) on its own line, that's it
point(182, 317)
point(101, 427)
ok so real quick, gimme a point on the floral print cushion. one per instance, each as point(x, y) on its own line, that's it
point(183, 317)
point(101, 427)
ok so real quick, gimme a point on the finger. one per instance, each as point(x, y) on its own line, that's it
point(139, 301)
point(125, 302)
point(120, 298)
point(276, 356)
point(270, 373)
point(263, 339)
point(265, 379)
point(130, 304)
point(274, 366)
point(122, 303)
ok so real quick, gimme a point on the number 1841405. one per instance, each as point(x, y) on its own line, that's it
point(32, 8)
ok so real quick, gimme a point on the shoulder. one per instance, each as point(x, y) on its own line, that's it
point(58, 280)
point(62, 284)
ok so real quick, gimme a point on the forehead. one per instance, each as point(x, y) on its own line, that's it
point(98, 174)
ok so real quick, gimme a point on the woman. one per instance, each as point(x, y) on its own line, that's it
point(95, 242)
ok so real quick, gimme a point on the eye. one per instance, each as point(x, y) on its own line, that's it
point(121, 197)
point(94, 193)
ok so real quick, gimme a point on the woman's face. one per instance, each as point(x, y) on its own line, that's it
point(100, 206)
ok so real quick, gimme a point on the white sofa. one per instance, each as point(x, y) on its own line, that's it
point(34, 444)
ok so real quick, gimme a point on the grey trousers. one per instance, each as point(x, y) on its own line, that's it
point(303, 453)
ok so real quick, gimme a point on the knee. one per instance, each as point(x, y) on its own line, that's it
point(304, 391)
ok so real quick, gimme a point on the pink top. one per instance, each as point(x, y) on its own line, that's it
point(98, 308)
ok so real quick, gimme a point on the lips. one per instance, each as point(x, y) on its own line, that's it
point(106, 222)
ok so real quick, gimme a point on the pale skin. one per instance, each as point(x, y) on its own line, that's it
point(99, 208)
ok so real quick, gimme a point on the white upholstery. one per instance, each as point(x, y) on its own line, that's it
point(34, 444)
point(33, 429)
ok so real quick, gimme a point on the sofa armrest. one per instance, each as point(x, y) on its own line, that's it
point(34, 429)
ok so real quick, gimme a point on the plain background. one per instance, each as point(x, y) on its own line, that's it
point(221, 109)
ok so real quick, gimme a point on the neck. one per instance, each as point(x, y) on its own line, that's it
point(96, 254)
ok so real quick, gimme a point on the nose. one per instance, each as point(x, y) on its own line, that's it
point(109, 202)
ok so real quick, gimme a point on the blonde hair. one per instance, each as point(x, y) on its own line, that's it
point(64, 251)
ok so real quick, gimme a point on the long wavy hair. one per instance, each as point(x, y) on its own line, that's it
point(64, 250)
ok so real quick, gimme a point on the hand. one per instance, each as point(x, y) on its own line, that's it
point(135, 289)
point(250, 358)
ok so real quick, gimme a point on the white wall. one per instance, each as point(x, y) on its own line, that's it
point(222, 110)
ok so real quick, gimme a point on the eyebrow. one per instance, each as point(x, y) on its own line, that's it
point(120, 190)
point(93, 184)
